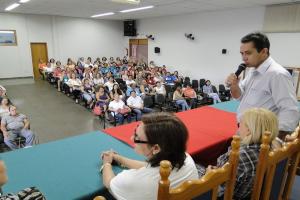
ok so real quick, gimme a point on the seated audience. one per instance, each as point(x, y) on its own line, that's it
point(207, 89)
point(170, 79)
point(179, 99)
point(42, 66)
point(129, 81)
point(88, 92)
point(190, 95)
point(31, 193)
point(4, 107)
point(137, 105)
point(150, 80)
point(254, 123)
point(102, 98)
point(110, 83)
point(119, 110)
point(160, 89)
point(98, 79)
point(74, 87)
point(145, 89)
point(13, 125)
point(116, 89)
point(133, 87)
point(160, 136)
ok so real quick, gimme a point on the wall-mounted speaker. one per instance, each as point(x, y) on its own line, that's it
point(156, 50)
point(224, 51)
point(129, 28)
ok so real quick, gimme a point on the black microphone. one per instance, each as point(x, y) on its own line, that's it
point(241, 68)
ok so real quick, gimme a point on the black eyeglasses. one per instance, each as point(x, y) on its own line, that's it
point(137, 141)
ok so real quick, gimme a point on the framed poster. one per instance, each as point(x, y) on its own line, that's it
point(8, 38)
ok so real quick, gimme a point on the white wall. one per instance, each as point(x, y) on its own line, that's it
point(201, 58)
point(65, 37)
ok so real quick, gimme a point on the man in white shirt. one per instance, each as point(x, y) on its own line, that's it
point(137, 105)
point(267, 84)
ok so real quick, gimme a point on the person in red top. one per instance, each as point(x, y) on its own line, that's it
point(190, 95)
point(42, 66)
point(150, 80)
point(57, 75)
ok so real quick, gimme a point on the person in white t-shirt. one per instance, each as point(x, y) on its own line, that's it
point(118, 108)
point(160, 136)
point(110, 83)
point(129, 81)
point(136, 103)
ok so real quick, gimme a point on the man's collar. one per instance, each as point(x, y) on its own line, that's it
point(263, 67)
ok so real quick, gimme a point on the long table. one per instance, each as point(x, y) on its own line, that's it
point(65, 169)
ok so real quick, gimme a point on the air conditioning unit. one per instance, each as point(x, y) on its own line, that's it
point(127, 1)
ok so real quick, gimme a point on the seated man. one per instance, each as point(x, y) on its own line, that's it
point(137, 105)
point(14, 125)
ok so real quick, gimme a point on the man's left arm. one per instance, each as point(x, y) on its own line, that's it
point(284, 96)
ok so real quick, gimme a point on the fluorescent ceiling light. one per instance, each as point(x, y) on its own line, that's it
point(24, 1)
point(136, 9)
point(12, 6)
point(6, 31)
point(127, 1)
point(103, 14)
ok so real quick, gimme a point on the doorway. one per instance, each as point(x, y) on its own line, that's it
point(138, 49)
point(38, 51)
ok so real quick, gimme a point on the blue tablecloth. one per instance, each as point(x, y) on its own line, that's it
point(65, 169)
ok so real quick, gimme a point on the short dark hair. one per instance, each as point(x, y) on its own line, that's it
point(170, 133)
point(259, 40)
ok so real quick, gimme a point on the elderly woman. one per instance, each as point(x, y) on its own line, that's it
point(159, 136)
point(253, 124)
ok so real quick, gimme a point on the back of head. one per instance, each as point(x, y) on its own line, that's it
point(170, 133)
point(259, 120)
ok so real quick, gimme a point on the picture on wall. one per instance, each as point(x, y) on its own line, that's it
point(8, 38)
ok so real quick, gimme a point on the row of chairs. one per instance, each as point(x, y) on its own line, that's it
point(275, 174)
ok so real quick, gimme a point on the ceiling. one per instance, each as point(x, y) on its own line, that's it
point(87, 8)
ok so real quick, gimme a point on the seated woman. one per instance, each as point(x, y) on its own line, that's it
point(119, 109)
point(102, 98)
point(207, 89)
point(179, 99)
point(74, 86)
point(116, 89)
point(88, 92)
point(254, 123)
point(4, 107)
point(190, 95)
point(160, 89)
point(159, 136)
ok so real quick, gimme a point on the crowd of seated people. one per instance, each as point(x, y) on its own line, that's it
point(13, 124)
point(85, 81)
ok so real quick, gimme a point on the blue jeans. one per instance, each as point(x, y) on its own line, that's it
point(27, 134)
point(120, 118)
point(139, 112)
point(183, 104)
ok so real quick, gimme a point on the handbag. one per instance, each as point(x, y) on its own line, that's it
point(124, 111)
point(97, 110)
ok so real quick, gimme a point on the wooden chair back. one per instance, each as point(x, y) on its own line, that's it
point(276, 171)
point(206, 186)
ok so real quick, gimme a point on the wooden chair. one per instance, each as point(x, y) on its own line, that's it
point(276, 170)
point(207, 186)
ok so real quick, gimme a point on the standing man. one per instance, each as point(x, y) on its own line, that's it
point(266, 85)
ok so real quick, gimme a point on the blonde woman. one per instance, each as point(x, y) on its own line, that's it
point(254, 123)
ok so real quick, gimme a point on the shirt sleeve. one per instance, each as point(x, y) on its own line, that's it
point(284, 97)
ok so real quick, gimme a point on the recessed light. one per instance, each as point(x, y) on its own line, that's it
point(24, 1)
point(136, 9)
point(103, 14)
point(12, 6)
